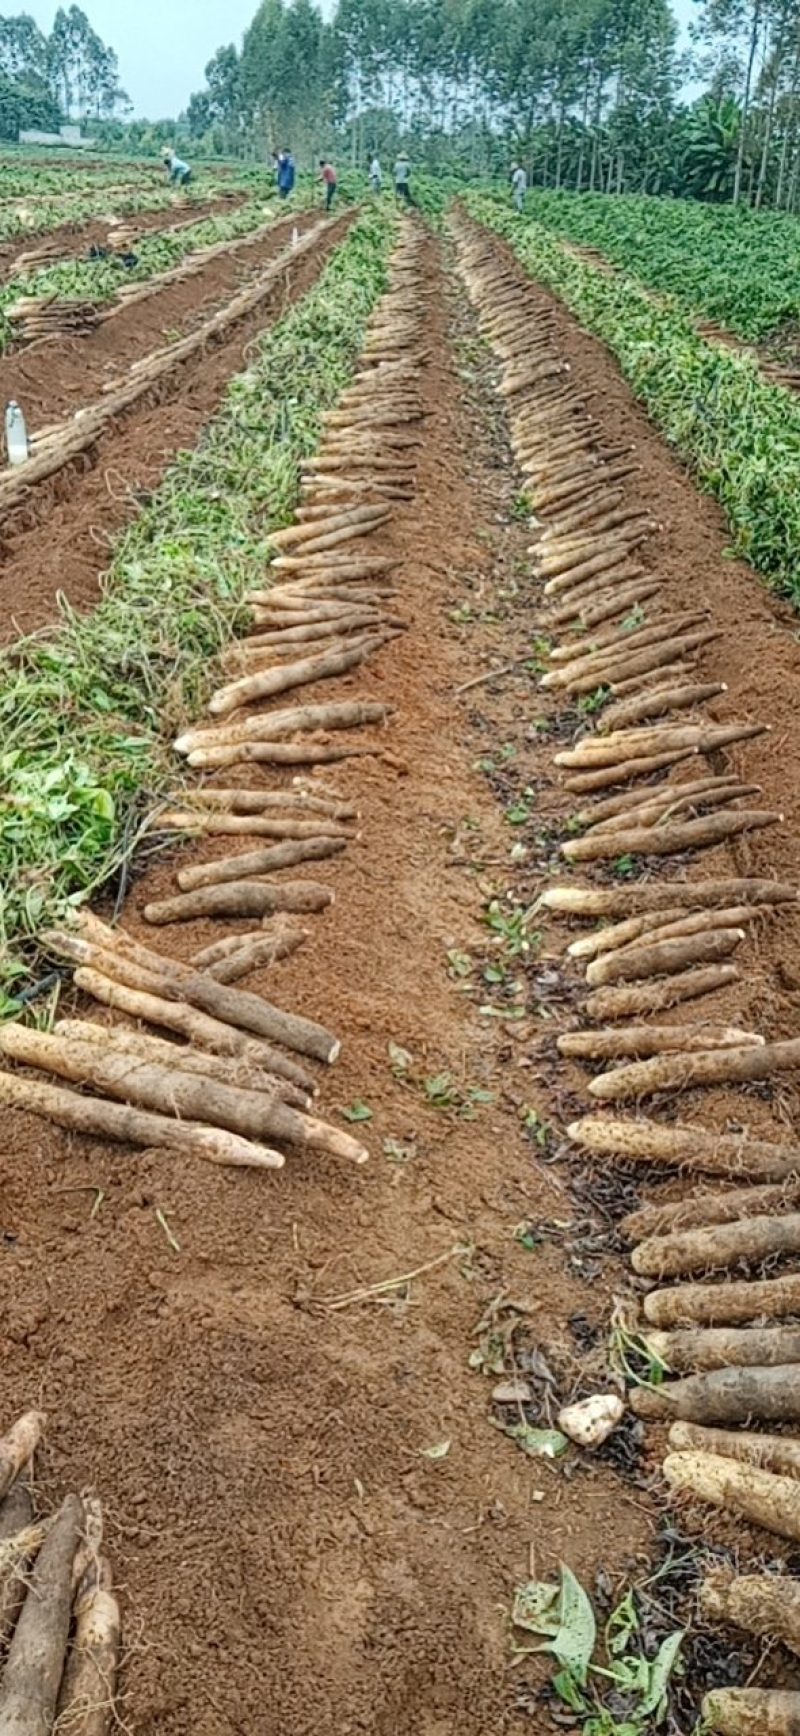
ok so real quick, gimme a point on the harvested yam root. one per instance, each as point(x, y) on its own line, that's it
point(761, 1497)
point(725, 1304)
point(683, 1072)
point(726, 1395)
point(696, 1349)
point(670, 838)
point(646, 1040)
point(160, 1088)
point(241, 898)
point(32, 1676)
point(658, 925)
point(229, 1070)
point(629, 1000)
point(590, 901)
point(751, 1712)
point(18, 1446)
point(117, 1121)
point(86, 1700)
point(779, 1453)
point(257, 862)
point(663, 957)
point(710, 1208)
point(715, 1153)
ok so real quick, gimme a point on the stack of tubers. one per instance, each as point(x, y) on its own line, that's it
point(60, 1620)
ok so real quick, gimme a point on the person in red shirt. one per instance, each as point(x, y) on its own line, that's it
point(328, 175)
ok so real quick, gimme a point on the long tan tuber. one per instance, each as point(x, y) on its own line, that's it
point(229, 1069)
point(644, 1040)
point(595, 901)
point(725, 1395)
point(86, 1704)
point(779, 1453)
point(32, 1677)
point(630, 1000)
point(655, 957)
point(657, 926)
point(698, 1349)
point(670, 838)
point(258, 862)
point(251, 688)
point(761, 1497)
point(197, 1027)
point(166, 1090)
point(18, 1446)
point(751, 1711)
point(730, 1304)
point(659, 1217)
point(659, 702)
point(717, 1245)
point(715, 1153)
point(240, 898)
point(682, 1073)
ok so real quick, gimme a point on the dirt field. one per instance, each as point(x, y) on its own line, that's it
point(315, 1524)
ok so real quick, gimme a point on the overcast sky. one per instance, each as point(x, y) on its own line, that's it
point(164, 45)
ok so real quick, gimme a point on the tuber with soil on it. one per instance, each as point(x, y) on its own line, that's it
point(642, 1141)
point(258, 862)
point(645, 1040)
point(733, 1303)
point(655, 926)
point(251, 688)
point(779, 1453)
point(189, 1022)
point(86, 1703)
point(660, 1217)
point(18, 1446)
point(595, 901)
point(660, 958)
point(761, 1497)
point(671, 837)
point(228, 1069)
point(241, 898)
point(341, 714)
point(662, 810)
point(726, 1395)
point(661, 701)
point(751, 1712)
point(683, 1073)
point(696, 1350)
point(610, 777)
point(624, 744)
point(20, 1542)
point(32, 1676)
point(629, 1000)
point(166, 1090)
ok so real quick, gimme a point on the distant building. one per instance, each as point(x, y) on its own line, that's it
point(65, 136)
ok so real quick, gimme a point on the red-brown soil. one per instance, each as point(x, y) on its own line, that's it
point(77, 238)
point(59, 541)
point(291, 1559)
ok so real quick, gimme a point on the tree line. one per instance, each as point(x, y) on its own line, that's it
point(47, 79)
point(586, 93)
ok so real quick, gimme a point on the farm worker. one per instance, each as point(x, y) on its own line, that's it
point(375, 175)
point(178, 171)
point(519, 186)
point(328, 176)
point(286, 172)
point(402, 177)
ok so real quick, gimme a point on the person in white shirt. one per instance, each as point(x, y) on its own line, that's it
point(519, 186)
point(375, 175)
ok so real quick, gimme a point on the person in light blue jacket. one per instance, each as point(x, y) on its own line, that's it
point(178, 171)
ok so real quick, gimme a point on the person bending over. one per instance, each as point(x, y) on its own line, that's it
point(179, 172)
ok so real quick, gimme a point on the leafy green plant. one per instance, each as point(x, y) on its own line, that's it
point(358, 1111)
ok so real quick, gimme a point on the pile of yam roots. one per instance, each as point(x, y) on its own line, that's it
point(640, 770)
point(60, 1633)
point(238, 1087)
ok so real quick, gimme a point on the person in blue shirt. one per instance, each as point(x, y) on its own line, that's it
point(286, 172)
point(178, 171)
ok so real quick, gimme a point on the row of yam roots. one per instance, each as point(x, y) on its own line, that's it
point(186, 1058)
point(35, 317)
point(233, 1081)
point(60, 1631)
point(639, 769)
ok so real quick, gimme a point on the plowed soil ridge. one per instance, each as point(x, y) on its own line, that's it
point(59, 542)
point(293, 1554)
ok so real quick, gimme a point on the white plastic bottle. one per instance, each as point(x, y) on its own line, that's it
point(16, 434)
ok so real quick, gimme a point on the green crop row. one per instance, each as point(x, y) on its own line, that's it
point(20, 221)
point(735, 266)
point(739, 435)
point(88, 711)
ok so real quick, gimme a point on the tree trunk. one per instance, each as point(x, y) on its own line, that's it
point(754, 34)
